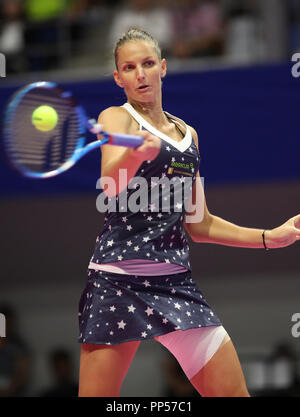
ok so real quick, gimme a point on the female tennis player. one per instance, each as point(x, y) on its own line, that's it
point(140, 284)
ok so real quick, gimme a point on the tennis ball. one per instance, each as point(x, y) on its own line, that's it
point(44, 118)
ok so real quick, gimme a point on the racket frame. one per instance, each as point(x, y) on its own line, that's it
point(85, 124)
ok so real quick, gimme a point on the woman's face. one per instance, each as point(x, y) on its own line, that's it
point(140, 71)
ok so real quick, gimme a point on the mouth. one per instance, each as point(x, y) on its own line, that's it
point(143, 87)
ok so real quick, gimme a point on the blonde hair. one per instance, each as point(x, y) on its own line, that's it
point(134, 34)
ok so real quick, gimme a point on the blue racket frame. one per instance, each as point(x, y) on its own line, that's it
point(85, 124)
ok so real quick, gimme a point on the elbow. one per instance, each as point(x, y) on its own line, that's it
point(194, 233)
point(199, 232)
point(197, 238)
point(200, 237)
point(194, 239)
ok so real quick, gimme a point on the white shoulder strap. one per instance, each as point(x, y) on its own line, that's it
point(181, 146)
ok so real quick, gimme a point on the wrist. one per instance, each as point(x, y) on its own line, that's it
point(266, 239)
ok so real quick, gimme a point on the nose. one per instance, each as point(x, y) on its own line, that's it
point(140, 73)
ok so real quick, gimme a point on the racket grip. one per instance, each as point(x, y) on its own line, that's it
point(129, 141)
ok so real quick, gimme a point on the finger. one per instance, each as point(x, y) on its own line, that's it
point(144, 133)
point(147, 135)
point(297, 221)
point(296, 233)
point(141, 148)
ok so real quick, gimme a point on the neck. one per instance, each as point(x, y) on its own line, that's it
point(151, 111)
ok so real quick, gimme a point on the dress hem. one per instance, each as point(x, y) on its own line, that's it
point(147, 338)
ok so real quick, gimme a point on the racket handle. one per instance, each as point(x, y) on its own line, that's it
point(129, 141)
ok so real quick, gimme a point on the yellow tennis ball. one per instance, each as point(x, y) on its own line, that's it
point(44, 118)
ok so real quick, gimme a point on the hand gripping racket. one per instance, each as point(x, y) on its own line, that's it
point(42, 142)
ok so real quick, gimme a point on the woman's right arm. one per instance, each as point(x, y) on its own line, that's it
point(114, 158)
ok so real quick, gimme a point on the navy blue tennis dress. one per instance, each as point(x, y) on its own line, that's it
point(118, 307)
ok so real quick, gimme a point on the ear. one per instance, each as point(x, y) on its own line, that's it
point(163, 70)
point(117, 79)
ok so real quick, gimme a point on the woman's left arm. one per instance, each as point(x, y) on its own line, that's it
point(213, 229)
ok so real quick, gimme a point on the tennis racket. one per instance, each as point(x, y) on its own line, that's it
point(43, 151)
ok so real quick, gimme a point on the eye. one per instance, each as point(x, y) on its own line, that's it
point(128, 67)
point(149, 63)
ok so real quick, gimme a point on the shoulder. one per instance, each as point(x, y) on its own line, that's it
point(113, 112)
point(115, 118)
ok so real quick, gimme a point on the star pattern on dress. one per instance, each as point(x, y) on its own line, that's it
point(121, 325)
point(154, 234)
point(131, 309)
point(149, 311)
point(182, 316)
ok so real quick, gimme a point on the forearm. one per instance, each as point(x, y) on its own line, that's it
point(127, 161)
point(216, 230)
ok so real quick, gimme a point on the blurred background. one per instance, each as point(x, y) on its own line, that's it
point(229, 76)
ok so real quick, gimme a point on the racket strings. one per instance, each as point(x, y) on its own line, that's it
point(42, 151)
